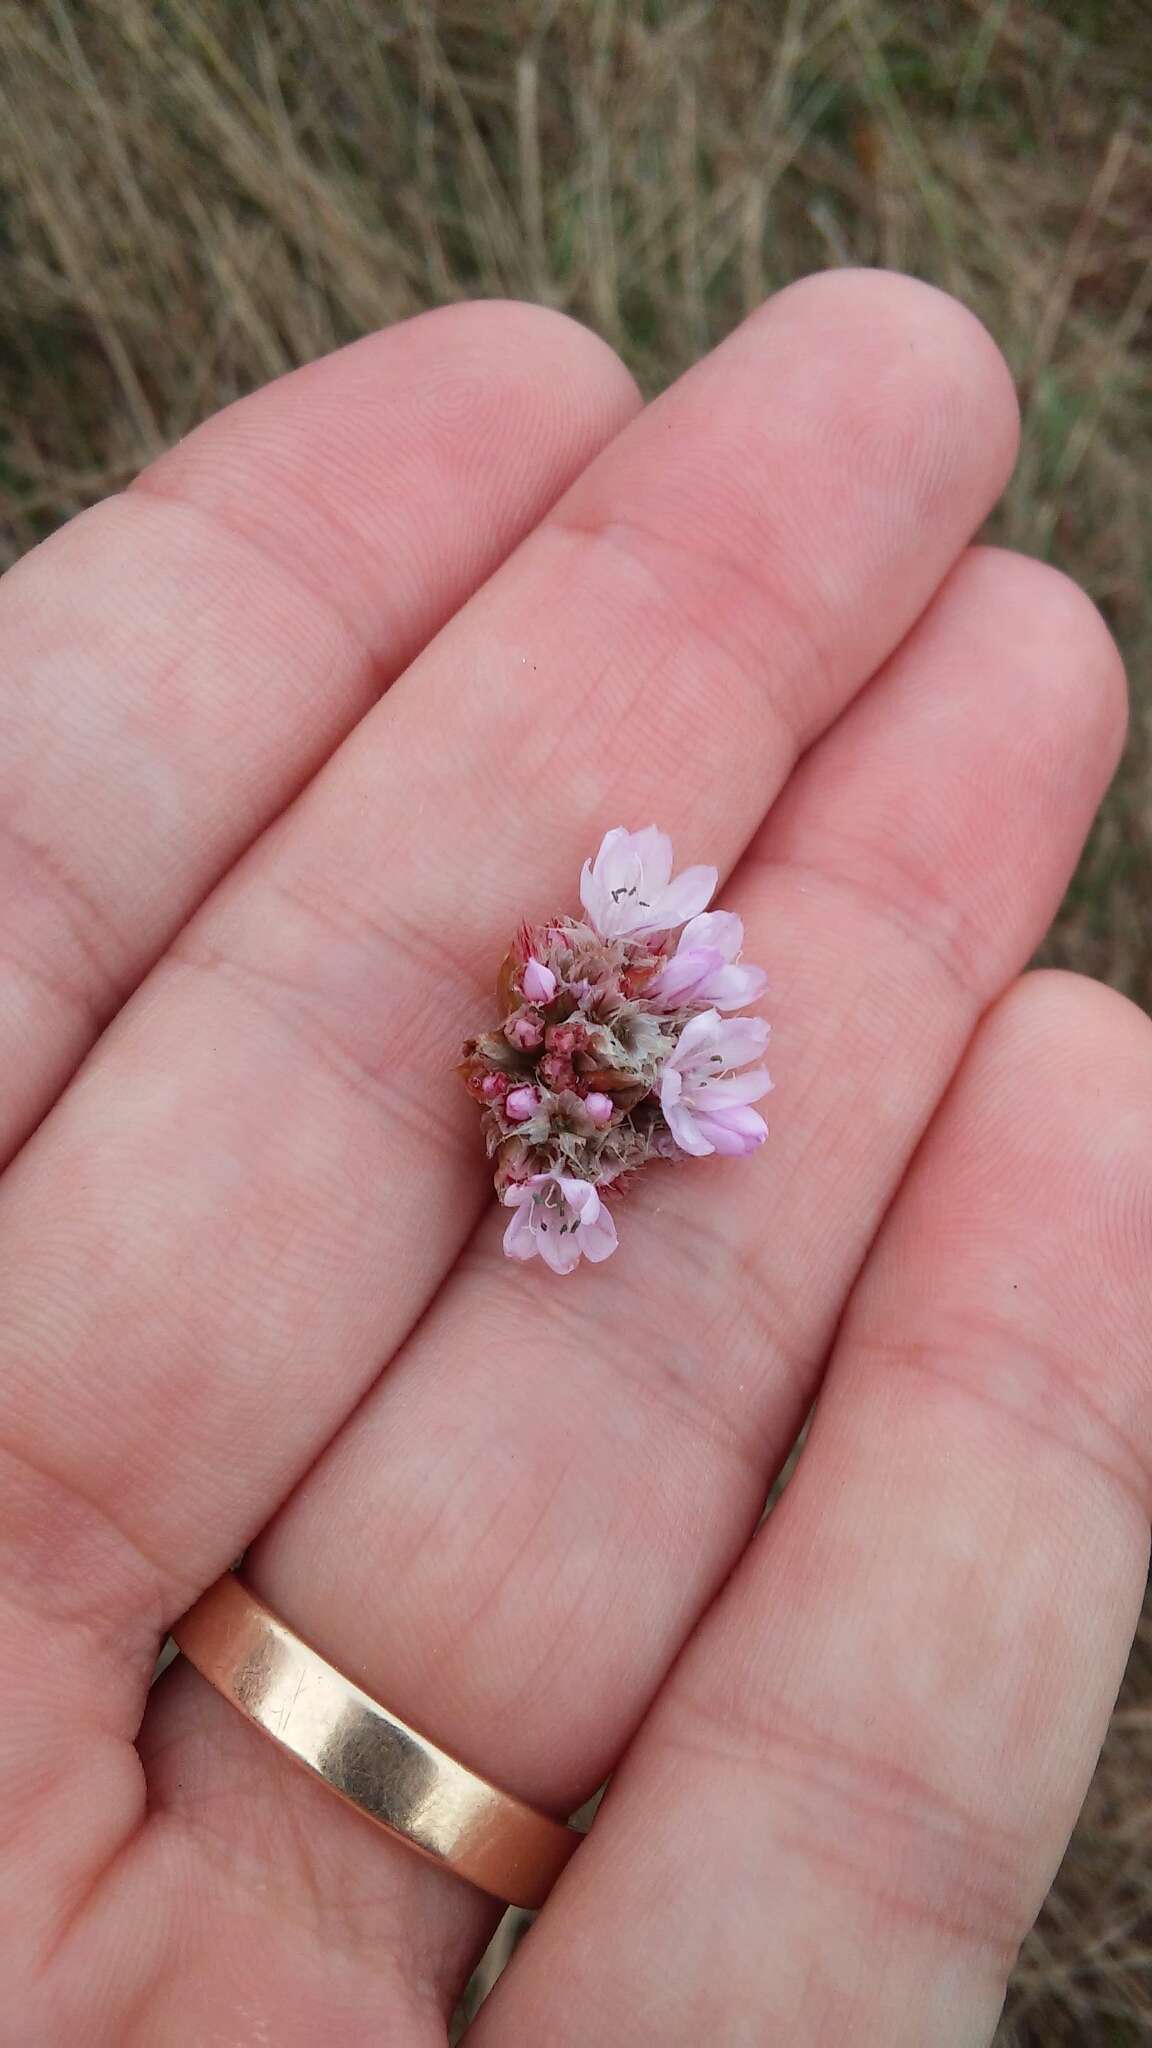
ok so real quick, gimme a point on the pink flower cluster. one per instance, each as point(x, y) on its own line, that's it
point(616, 1047)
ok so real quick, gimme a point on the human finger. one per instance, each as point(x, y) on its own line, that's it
point(181, 658)
point(849, 1801)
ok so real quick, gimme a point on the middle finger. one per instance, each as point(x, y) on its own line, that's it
point(249, 1195)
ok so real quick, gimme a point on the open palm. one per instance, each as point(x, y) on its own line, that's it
point(293, 733)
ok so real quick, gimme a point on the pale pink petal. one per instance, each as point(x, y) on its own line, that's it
point(591, 895)
point(689, 893)
point(556, 1245)
point(718, 931)
point(683, 975)
point(735, 1132)
point(580, 1196)
point(628, 888)
point(519, 1240)
point(695, 1040)
point(610, 885)
point(735, 1089)
point(738, 1039)
point(516, 1194)
point(671, 1087)
point(612, 847)
point(684, 1128)
point(730, 988)
point(653, 849)
point(598, 1240)
point(599, 875)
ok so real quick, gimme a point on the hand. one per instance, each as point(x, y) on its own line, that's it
point(251, 1266)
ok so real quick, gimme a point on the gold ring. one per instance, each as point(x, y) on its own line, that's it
point(378, 1764)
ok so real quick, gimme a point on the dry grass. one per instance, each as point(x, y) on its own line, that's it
point(198, 194)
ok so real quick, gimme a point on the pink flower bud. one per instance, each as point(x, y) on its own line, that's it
point(494, 1087)
point(521, 1103)
point(538, 982)
point(601, 1109)
point(557, 1072)
point(565, 1038)
point(525, 1031)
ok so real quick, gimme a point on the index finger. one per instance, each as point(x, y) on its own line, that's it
point(180, 659)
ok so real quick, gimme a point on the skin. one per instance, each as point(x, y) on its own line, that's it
point(294, 733)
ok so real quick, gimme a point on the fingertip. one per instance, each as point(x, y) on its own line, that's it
point(1052, 1114)
point(932, 396)
point(1049, 1174)
point(493, 407)
point(895, 310)
point(552, 344)
point(1064, 654)
point(490, 369)
point(1086, 1042)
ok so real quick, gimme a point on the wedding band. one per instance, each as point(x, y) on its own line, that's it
point(375, 1762)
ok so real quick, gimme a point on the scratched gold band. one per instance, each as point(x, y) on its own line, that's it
point(375, 1762)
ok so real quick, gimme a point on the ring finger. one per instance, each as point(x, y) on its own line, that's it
point(846, 1807)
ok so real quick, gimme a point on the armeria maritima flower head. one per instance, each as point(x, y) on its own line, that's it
point(612, 1049)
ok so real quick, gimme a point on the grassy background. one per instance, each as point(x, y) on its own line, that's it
point(196, 195)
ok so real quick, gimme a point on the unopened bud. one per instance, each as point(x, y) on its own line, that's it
point(565, 1038)
point(520, 1104)
point(557, 1072)
point(538, 982)
point(525, 1031)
